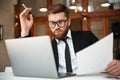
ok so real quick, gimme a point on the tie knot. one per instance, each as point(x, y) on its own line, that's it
point(64, 39)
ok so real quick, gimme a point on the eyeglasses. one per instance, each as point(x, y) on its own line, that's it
point(60, 23)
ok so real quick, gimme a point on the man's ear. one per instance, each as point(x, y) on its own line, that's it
point(69, 21)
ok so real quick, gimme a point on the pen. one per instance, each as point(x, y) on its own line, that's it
point(25, 8)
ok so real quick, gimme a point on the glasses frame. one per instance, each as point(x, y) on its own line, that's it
point(57, 22)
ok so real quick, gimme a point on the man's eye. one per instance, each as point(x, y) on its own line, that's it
point(53, 23)
point(60, 22)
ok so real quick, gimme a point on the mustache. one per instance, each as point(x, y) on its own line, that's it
point(57, 30)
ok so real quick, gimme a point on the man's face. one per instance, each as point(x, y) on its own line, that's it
point(59, 25)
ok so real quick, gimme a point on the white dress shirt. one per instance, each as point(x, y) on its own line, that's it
point(61, 54)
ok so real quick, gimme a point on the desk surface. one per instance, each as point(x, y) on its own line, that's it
point(10, 76)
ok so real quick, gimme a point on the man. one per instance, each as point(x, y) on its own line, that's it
point(59, 23)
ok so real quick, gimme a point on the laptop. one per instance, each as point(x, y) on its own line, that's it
point(32, 57)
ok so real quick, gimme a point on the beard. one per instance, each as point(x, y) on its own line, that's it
point(59, 34)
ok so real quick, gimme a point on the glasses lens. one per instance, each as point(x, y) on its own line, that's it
point(61, 23)
point(52, 24)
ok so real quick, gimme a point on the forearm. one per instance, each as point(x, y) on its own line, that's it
point(24, 33)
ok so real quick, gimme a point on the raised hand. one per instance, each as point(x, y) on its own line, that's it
point(26, 21)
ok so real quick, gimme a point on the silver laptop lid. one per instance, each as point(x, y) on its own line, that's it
point(32, 57)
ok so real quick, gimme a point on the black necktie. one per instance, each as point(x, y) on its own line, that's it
point(67, 57)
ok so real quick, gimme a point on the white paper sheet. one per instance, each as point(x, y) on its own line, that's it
point(94, 59)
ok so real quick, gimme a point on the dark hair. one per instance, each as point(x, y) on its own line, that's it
point(57, 8)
